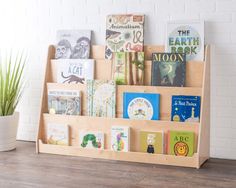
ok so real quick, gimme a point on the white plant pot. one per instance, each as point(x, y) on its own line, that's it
point(8, 131)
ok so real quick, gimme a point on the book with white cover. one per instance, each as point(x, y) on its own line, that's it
point(74, 70)
point(91, 139)
point(120, 138)
point(186, 37)
point(58, 134)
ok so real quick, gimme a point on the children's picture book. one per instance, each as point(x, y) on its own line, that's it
point(186, 37)
point(145, 106)
point(124, 33)
point(64, 102)
point(73, 44)
point(128, 68)
point(58, 134)
point(91, 139)
point(185, 108)
point(120, 138)
point(180, 143)
point(168, 69)
point(152, 142)
point(74, 70)
point(101, 97)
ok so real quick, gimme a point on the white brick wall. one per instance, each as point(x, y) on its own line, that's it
point(34, 23)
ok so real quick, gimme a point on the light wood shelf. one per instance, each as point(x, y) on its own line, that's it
point(197, 83)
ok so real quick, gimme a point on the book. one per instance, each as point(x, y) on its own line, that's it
point(141, 105)
point(181, 143)
point(186, 37)
point(152, 142)
point(58, 134)
point(64, 102)
point(124, 33)
point(128, 68)
point(101, 97)
point(120, 138)
point(185, 108)
point(74, 70)
point(73, 44)
point(168, 69)
point(91, 139)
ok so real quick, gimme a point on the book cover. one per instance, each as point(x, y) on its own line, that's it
point(168, 69)
point(186, 37)
point(73, 44)
point(101, 97)
point(120, 138)
point(58, 134)
point(181, 143)
point(185, 108)
point(143, 106)
point(64, 102)
point(124, 33)
point(152, 142)
point(91, 139)
point(128, 68)
point(74, 70)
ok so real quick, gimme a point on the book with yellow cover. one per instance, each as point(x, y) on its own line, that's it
point(58, 134)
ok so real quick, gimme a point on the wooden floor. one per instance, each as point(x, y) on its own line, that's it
point(23, 168)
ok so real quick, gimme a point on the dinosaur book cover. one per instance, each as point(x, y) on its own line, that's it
point(168, 69)
point(58, 134)
point(74, 70)
point(120, 138)
point(91, 140)
point(101, 97)
point(73, 44)
point(64, 102)
point(124, 33)
point(186, 37)
point(144, 106)
point(128, 68)
point(185, 108)
point(152, 142)
point(180, 143)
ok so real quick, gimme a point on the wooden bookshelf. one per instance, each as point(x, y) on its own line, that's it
point(197, 83)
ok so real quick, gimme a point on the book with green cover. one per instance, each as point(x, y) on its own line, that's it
point(152, 142)
point(181, 143)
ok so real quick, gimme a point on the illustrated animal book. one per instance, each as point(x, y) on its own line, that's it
point(124, 33)
point(58, 134)
point(128, 68)
point(120, 138)
point(181, 143)
point(73, 44)
point(186, 37)
point(185, 108)
point(91, 140)
point(152, 142)
point(143, 106)
point(64, 102)
point(74, 70)
point(168, 69)
point(101, 97)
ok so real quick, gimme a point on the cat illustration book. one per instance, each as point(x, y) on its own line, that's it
point(58, 134)
point(73, 44)
point(124, 33)
point(91, 140)
point(120, 138)
point(74, 70)
point(152, 142)
point(64, 102)
point(186, 37)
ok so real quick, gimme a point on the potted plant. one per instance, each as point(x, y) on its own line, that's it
point(11, 87)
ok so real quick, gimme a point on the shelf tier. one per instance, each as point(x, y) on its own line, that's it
point(165, 95)
point(103, 124)
point(121, 156)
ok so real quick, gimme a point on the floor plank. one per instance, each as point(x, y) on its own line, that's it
point(22, 168)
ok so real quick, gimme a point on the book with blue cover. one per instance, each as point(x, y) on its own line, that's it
point(185, 108)
point(145, 106)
